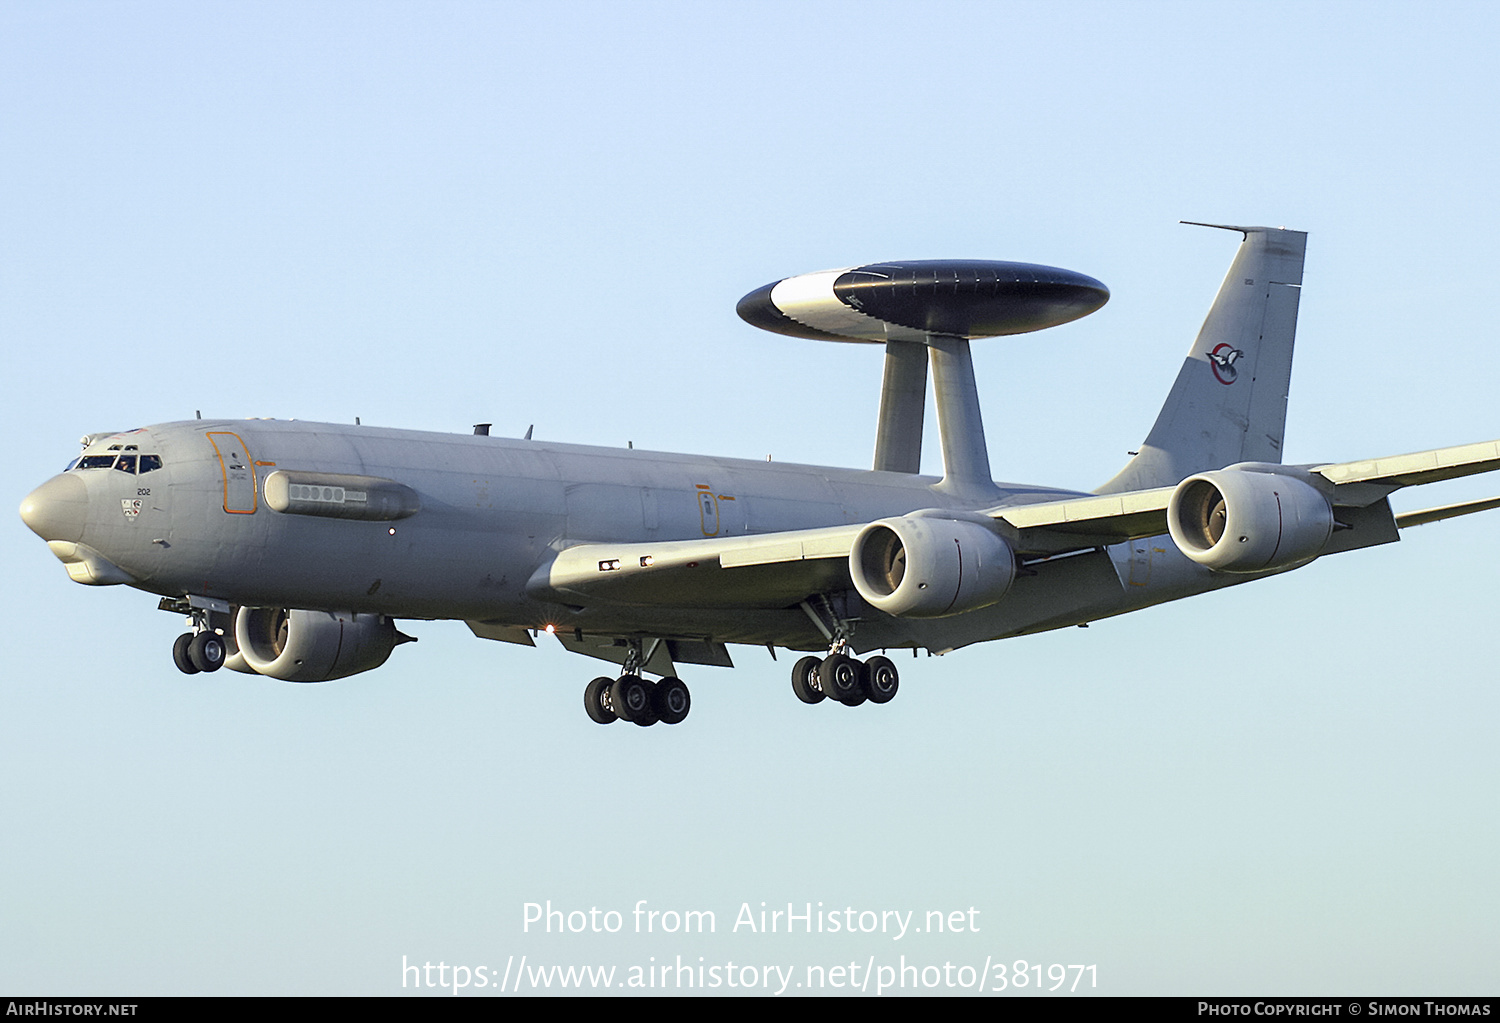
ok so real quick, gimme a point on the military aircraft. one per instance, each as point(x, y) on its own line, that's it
point(293, 548)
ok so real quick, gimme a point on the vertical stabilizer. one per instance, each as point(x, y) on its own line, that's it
point(1229, 402)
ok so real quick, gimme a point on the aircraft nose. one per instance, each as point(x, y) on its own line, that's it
point(58, 509)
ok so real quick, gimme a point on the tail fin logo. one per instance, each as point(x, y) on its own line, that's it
point(1221, 360)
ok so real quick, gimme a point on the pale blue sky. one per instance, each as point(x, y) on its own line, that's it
point(431, 215)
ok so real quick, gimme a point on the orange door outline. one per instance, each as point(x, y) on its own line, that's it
point(240, 492)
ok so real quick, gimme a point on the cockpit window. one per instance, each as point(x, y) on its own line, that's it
point(130, 463)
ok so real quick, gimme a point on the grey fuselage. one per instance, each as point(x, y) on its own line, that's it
point(494, 510)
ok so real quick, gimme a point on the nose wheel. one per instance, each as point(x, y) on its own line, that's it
point(205, 651)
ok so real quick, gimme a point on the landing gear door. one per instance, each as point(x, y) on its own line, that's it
point(239, 474)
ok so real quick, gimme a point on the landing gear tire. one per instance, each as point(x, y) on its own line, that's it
point(180, 655)
point(648, 717)
point(631, 696)
point(207, 651)
point(839, 677)
point(594, 701)
point(671, 701)
point(879, 679)
point(805, 680)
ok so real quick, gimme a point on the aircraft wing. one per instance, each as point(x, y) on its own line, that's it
point(1075, 523)
point(772, 570)
point(1053, 527)
point(1381, 476)
point(1363, 483)
point(768, 570)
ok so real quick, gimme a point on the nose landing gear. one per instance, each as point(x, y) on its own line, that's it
point(205, 651)
point(208, 645)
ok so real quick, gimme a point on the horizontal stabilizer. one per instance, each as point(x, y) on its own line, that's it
point(1447, 511)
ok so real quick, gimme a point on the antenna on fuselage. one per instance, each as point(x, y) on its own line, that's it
point(939, 305)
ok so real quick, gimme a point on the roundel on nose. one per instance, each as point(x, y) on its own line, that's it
point(58, 509)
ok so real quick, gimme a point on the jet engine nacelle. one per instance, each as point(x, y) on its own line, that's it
point(312, 646)
point(1234, 520)
point(917, 567)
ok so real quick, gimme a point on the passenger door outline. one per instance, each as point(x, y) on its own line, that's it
point(241, 495)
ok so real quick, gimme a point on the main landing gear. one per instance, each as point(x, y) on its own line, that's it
point(849, 681)
point(632, 698)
